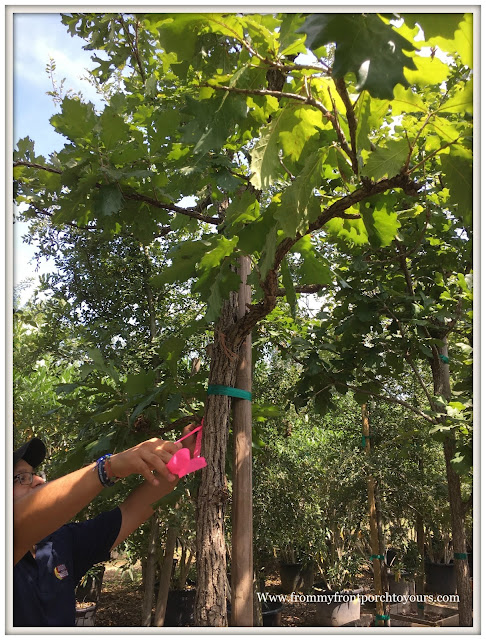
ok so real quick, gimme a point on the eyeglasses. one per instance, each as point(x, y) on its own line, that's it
point(26, 477)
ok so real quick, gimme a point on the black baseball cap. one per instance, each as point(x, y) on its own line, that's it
point(33, 452)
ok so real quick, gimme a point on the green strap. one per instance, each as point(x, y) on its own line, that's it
point(444, 358)
point(380, 617)
point(378, 557)
point(221, 390)
point(420, 606)
point(363, 441)
point(460, 556)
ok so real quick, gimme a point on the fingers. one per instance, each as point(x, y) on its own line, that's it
point(187, 429)
point(156, 455)
point(144, 459)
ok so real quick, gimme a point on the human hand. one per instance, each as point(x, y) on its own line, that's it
point(189, 442)
point(143, 458)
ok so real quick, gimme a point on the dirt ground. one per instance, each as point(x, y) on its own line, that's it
point(121, 598)
point(120, 603)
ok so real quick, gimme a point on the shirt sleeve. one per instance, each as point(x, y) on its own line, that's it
point(93, 539)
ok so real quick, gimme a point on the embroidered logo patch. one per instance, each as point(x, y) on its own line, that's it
point(61, 572)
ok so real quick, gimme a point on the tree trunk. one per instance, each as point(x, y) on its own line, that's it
point(213, 493)
point(420, 581)
point(165, 575)
point(242, 530)
point(375, 544)
point(185, 566)
point(442, 387)
point(381, 546)
point(149, 583)
point(461, 566)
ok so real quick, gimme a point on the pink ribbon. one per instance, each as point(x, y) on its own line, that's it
point(181, 462)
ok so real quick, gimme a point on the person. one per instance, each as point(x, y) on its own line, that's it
point(50, 556)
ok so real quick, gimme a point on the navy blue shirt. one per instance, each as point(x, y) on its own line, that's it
point(43, 587)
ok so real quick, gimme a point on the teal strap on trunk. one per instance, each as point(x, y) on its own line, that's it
point(221, 390)
point(363, 441)
point(444, 358)
point(379, 617)
point(378, 557)
point(460, 556)
point(420, 606)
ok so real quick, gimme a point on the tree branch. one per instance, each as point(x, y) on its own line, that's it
point(307, 288)
point(267, 61)
point(307, 99)
point(243, 327)
point(190, 212)
point(390, 399)
point(350, 115)
point(34, 165)
point(133, 46)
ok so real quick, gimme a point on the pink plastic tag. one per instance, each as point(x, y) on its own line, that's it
point(181, 462)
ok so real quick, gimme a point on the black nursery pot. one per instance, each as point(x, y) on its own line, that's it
point(180, 608)
point(440, 578)
point(272, 614)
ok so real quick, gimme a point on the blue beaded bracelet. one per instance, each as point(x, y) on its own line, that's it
point(102, 475)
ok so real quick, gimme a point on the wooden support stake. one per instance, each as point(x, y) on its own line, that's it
point(242, 542)
point(375, 544)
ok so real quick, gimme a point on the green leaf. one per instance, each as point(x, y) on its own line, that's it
point(138, 383)
point(366, 46)
point(300, 206)
point(290, 43)
point(265, 165)
point(226, 281)
point(107, 200)
point(178, 34)
point(221, 248)
point(244, 208)
point(268, 253)
point(462, 100)
point(111, 414)
point(145, 402)
point(314, 269)
point(461, 42)
point(170, 351)
point(113, 128)
point(458, 177)
point(297, 124)
point(382, 225)
point(185, 257)
point(387, 161)
point(76, 120)
point(353, 231)
point(434, 24)
point(288, 283)
point(429, 72)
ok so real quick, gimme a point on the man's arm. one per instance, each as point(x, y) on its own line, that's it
point(49, 506)
point(138, 506)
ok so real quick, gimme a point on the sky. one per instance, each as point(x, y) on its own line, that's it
point(38, 37)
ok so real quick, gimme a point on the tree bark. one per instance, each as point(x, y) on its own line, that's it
point(149, 583)
point(165, 575)
point(461, 566)
point(213, 494)
point(381, 547)
point(420, 582)
point(375, 544)
point(242, 531)
point(442, 387)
